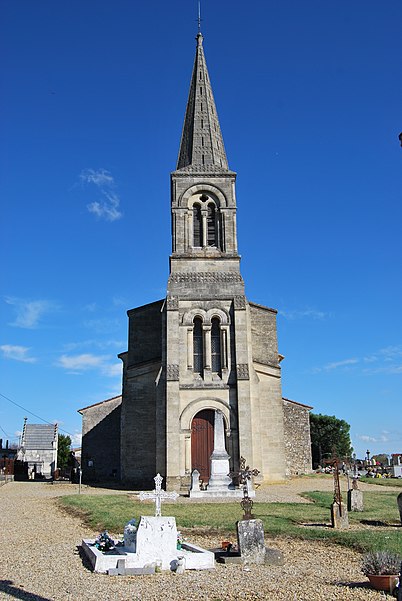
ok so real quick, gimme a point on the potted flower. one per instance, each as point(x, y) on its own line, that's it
point(382, 568)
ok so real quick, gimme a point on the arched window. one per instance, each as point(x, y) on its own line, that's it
point(197, 225)
point(212, 225)
point(198, 346)
point(216, 363)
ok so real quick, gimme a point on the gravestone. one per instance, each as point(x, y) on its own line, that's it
point(355, 497)
point(250, 539)
point(399, 500)
point(339, 516)
point(195, 480)
point(250, 531)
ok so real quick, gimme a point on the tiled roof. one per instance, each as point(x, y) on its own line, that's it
point(39, 436)
point(115, 398)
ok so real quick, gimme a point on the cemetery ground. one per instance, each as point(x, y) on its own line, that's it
point(42, 526)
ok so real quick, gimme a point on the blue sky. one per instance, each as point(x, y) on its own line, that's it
point(309, 96)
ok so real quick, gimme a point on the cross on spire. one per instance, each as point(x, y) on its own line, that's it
point(158, 495)
point(199, 16)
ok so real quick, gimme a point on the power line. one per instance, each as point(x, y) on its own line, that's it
point(4, 432)
point(34, 414)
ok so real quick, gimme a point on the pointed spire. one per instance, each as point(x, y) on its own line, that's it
point(201, 147)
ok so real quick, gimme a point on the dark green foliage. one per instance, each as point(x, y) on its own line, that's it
point(328, 435)
point(63, 451)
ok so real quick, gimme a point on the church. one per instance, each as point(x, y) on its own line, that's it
point(204, 351)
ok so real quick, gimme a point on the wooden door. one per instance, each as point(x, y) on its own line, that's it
point(202, 443)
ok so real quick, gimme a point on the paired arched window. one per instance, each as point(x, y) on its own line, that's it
point(216, 362)
point(198, 346)
point(197, 226)
point(206, 223)
point(212, 237)
point(207, 346)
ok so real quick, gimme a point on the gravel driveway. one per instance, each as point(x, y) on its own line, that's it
point(39, 560)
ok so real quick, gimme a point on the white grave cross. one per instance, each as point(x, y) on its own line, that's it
point(158, 495)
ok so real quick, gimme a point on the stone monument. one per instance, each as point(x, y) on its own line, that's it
point(219, 479)
point(220, 482)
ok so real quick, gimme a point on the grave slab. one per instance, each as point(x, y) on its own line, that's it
point(196, 558)
point(156, 545)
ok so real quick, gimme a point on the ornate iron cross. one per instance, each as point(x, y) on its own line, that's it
point(334, 462)
point(158, 495)
point(244, 475)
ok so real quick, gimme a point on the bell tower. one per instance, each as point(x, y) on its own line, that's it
point(208, 353)
point(204, 354)
point(204, 237)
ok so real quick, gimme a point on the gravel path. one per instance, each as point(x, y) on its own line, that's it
point(39, 560)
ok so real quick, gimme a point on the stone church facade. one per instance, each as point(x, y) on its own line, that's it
point(205, 348)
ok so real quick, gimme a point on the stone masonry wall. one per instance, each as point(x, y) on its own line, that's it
point(263, 328)
point(101, 440)
point(297, 438)
point(145, 328)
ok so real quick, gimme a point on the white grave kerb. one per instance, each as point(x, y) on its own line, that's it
point(158, 495)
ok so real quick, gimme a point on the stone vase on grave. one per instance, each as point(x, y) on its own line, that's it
point(130, 536)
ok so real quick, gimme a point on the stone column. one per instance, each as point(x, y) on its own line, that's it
point(224, 348)
point(204, 229)
point(187, 452)
point(188, 228)
point(219, 459)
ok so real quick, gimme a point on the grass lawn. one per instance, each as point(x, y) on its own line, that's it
point(377, 527)
point(382, 481)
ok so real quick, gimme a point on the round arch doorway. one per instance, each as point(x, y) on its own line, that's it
point(202, 442)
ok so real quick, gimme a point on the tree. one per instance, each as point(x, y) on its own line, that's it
point(329, 435)
point(382, 458)
point(63, 451)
